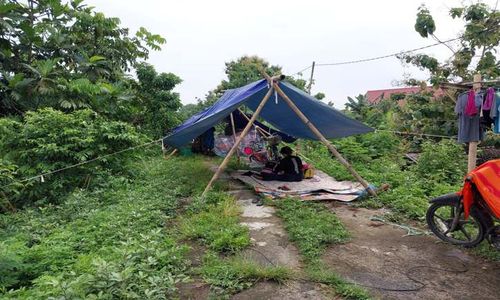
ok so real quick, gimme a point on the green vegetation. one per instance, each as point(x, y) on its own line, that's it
point(480, 37)
point(216, 224)
point(313, 228)
point(109, 241)
point(310, 226)
point(234, 274)
point(322, 274)
point(378, 157)
point(48, 140)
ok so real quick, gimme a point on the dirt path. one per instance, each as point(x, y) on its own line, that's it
point(381, 255)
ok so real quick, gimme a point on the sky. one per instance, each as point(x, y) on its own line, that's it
point(202, 35)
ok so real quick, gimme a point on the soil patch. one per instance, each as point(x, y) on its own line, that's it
point(384, 258)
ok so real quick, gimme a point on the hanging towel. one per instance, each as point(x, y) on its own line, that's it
point(490, 95)
point(470, 108)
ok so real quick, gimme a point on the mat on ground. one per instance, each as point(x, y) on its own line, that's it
point(320, 187)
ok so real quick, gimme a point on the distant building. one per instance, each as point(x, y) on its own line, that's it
point(376, 96)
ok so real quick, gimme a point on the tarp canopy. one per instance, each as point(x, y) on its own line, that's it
point(329, 121)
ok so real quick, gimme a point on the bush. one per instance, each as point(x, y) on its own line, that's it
point(442, 162)
point(48, 140)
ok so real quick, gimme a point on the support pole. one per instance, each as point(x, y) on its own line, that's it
point(472, 158)
point(171, 154)
point(321, 137)
point(224, 163)
point(262, 131)
point(234, 135)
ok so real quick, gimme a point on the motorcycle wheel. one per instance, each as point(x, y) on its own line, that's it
point(468, 233)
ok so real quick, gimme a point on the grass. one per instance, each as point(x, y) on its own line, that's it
point(487, 251)
point(311, 226)
point(214, 222)
point(318, 273)
point(234, 274)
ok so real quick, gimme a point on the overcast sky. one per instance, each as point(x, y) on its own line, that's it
point(202, 35)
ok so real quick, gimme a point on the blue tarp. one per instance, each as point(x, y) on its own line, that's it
point(329, 121)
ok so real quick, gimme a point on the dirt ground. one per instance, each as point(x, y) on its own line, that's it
point(380, 257)
point(383, 257)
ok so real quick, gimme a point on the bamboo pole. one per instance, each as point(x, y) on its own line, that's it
point(234, 135)
point(472, 156)
point(171, 154)
point(321, 137)
point(224, 163)
point(259, 129)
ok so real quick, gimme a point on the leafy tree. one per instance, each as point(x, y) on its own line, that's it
point(59, 54)
point(478, 45)
point(245, 70)
point(158, 104)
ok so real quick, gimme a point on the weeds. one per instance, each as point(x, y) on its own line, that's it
point(317, 273)
point(311, 226)
point(235, 274)
point(215, 223)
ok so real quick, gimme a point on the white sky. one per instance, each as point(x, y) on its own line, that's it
point(202, 35)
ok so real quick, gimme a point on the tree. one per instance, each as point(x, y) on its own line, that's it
point(478, 45)
point(157, 104)
point(59, 54)
point(245, 70)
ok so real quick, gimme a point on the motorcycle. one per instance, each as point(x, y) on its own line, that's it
point(468, 217)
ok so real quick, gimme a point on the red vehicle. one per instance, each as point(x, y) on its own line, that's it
point(468, 217)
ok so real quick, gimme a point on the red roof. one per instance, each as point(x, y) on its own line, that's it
point(376, 95)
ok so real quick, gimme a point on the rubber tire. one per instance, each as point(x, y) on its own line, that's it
point(474, 213)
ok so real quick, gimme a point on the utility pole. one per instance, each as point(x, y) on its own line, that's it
point(311, 79)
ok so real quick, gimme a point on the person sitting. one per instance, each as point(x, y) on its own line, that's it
point(289, 168)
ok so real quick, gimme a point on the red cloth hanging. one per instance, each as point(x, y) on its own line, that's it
point(470, 108)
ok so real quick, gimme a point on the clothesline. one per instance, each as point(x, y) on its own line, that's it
point(418, 134)
point(41, 176)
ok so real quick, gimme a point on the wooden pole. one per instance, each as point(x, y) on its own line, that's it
point(224, 163)
point(472, 158)
point(234, 135)
point(171, 154)
point(321, 137)
point(262, 131)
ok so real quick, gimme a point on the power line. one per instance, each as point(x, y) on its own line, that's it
point(376, 58)
point(40, 176)
point(296, 73)
point(388, 55)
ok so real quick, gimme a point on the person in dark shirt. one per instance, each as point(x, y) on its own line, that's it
point(289, 168)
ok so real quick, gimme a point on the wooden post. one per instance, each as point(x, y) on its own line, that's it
point(321, 137)
point(234, 135)
point(224, 163)
point(472, 158)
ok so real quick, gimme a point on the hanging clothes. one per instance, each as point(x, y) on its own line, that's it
point(470, 107)
point(488, 97)
point(495, 112)
point(469, 129)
